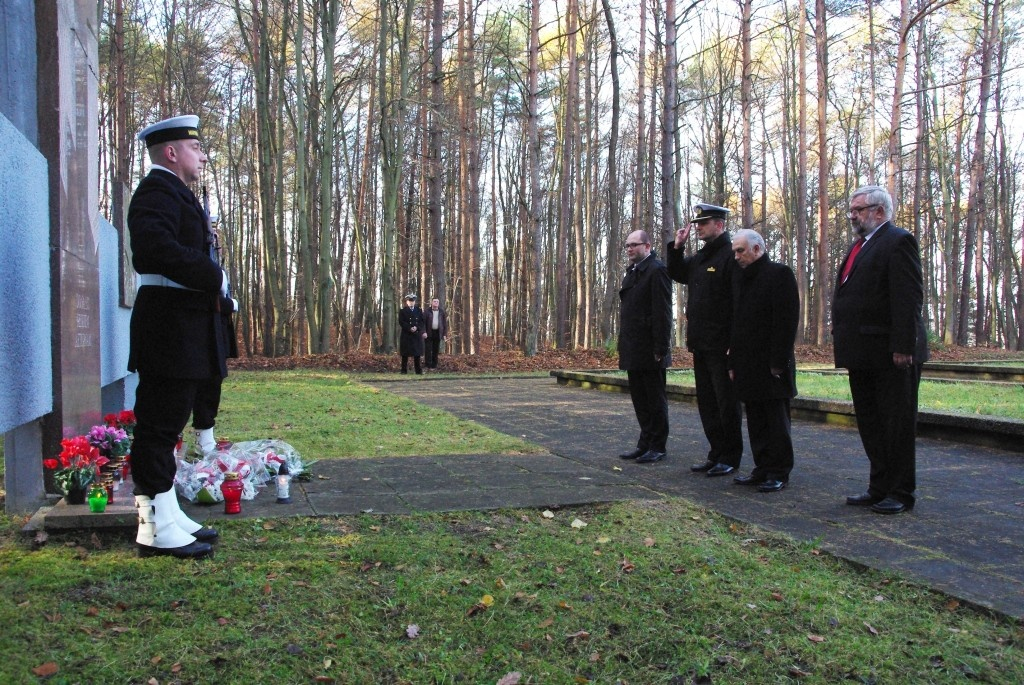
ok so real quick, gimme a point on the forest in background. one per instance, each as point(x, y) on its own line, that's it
point(495, 153)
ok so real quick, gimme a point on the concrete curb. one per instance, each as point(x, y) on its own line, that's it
point(971, 429)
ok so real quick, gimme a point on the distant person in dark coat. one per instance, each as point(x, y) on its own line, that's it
point(645, 329)
point(879, 337)
point(708, 275)
point(762, 361)
point(177, 341)
point(435, 323)
point(410, 318)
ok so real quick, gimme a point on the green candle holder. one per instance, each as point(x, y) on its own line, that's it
point(98, 499)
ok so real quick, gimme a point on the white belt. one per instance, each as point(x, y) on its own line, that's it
point(160, 281)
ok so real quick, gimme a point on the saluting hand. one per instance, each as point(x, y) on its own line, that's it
point(681, 235)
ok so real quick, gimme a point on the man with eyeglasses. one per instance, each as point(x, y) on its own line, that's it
point(645, 328)
point(709, 275)
point(879, 337)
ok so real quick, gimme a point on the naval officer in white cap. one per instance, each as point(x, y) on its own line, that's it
point(176, 339)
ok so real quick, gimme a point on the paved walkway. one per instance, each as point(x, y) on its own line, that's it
point(964, 537)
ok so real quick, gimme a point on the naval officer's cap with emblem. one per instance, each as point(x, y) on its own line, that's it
point(175, 128)
point(705, 212)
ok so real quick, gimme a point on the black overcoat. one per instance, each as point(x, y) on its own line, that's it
point(708, 275)
point(645, 316)
point(878, 310)
point(764, 323)
point(411, 343)
point(175, 332)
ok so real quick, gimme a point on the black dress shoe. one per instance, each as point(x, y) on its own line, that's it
point(747, 480)
point(193, 550)
point(720, 470)
point(890, 506)
point(632, 455)
point(864, 500)
point(771, 486)
point(205, 534)
point(649, 457)
point(701, 468)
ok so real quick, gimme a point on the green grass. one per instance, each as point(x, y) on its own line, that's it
point(1005, 400)
point(324, 414)
point(646, 593)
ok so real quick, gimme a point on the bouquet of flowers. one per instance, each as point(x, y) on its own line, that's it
point(110, 441)
point(124, 420)
point(78, 464)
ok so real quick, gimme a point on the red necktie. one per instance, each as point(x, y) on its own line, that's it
point(849, 260)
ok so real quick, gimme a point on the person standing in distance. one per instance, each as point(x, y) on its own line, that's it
point(176, 343)
point(708, 275)
point(645, 329)
point(410, 320)
point(879, 337)
point(762, 359)
point(436, 326)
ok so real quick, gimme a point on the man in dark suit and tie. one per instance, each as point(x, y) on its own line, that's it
point(645, 329)
point(177, 341)
point(879, 337)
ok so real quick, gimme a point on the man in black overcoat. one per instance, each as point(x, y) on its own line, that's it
point(645, 329)
point(410, 319)
point(708, 275)
point(762, 361)
point(177, 342)
point(879, 337)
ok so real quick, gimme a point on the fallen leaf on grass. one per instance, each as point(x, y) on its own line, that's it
point(777, 596)
point(603, 540)
point(222, 621)
point(476, 609)
point(546, 622)
point(564, 605)
point(576, 523)
point(92, 611)
point(952, 605)
point(578, 635)
point(512, 678)
point(626, 566)
point(500, 584)
point(648, 542)
point(797, 673)
point(412, 631)
point(46, 670)
point(871, 629)
point(548, 514)
point(815, 638)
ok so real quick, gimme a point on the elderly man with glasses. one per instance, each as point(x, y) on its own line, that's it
point(879, 337)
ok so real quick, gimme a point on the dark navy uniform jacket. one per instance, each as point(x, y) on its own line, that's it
point(708, 275)
point(175, 332)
